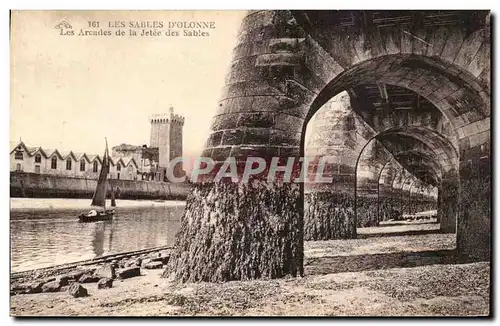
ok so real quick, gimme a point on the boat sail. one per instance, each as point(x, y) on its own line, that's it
point(98, 210)
point(99, 199)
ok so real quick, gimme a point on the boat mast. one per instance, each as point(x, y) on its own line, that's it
point(106, 154)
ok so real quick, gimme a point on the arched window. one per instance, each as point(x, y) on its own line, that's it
point(68, 164)
point(53, 162)
point(38, 158)
point(19, 167)
point(95, 168)
point(82, 165)
point(18, 155)
point(118, 167)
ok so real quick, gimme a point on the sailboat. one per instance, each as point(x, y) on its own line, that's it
point(98, 211)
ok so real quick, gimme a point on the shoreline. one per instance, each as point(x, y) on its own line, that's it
point(33, 204)
point(57, 269)
point(386, 230)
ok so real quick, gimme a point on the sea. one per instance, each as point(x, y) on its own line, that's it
point(46, 232)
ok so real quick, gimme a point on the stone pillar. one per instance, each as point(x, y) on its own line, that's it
point(405, 188)
point(419, 202)
point(474, 216)
point(439, 206)
point(329, 214)
point(447, 202)
point(388, 202)
point(371, 164)
point(388, 205)
point(329, 208)
point(413, 197)
point(397, 190)
point(238, 231)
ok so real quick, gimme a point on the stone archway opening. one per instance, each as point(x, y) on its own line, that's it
point(443, 113)
point(361, 130)
point(422, 197)
point(400, 176)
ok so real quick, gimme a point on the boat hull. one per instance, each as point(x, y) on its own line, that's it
point(101, 216)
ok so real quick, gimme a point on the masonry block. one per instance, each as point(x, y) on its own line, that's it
point(288, 123)
point(214, 139)
point(232, 137)
point(256, 136)
point(225, 121)
point(256, 120)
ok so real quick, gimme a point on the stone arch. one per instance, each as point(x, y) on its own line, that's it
point(463, 102)
point(446, 165)
point(317, 226)
point(285, 66)
point(434, 152)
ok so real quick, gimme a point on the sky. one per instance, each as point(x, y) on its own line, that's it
point(70, 92)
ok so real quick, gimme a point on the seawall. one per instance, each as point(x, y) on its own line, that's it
point(33, 185)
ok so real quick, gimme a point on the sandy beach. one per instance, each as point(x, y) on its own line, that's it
point(415, 275)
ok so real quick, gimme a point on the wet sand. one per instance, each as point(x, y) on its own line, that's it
point(415, 275)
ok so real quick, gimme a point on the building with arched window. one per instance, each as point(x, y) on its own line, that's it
point(68, 163)
point(53, 162)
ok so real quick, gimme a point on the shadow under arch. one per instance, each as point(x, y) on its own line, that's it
point(426, 136)
point(392, 205)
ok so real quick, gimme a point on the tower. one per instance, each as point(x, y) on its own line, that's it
point(160, 137)
point(176, 125)
point(166, 135)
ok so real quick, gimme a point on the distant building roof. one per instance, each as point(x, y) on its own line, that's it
point(125, 161)
point(126, 148)
point(48, 152)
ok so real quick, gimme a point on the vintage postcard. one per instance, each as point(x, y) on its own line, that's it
point(250, 163)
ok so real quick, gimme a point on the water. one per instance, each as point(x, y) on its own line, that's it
point(46, 232)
